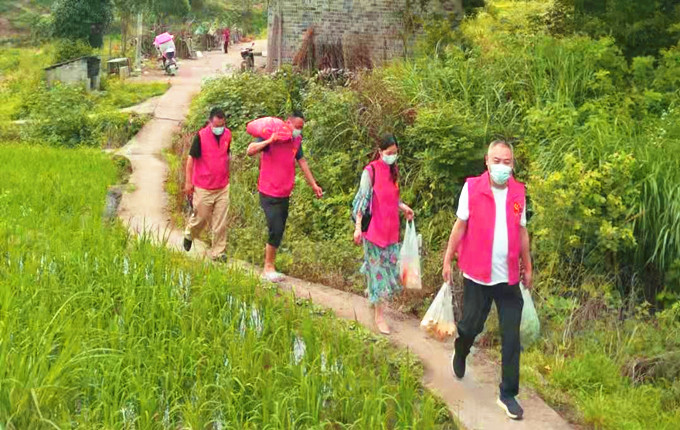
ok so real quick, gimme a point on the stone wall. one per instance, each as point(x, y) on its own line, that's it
point(375, 24)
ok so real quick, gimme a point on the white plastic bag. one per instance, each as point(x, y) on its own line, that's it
point(409, 259)
point(530, 327)
point(439, 320)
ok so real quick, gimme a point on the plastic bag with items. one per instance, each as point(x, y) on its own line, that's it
point(530, 327)
point(439, 320)
point(409, 259)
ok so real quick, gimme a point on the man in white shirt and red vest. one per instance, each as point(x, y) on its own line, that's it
point(207, 184)
point(276, 182)
point(491, 241)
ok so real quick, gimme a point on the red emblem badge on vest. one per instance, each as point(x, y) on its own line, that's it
point(517, 207)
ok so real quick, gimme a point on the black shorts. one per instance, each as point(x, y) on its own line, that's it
point(170, 55)
point(276, 212)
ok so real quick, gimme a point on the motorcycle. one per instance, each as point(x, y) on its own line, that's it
point(170, 64)
point(166, 48)
point(248, 63)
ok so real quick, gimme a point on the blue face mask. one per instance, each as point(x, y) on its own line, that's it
point(500, 173)
point(390, 159)
point(297, 132)
point(217, 131)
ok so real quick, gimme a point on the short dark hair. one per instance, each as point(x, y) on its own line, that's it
point(297, 114)
point(217, 112)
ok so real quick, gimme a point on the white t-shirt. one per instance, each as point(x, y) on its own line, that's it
point(499, 253)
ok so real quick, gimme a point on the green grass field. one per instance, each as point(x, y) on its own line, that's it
point(102, 330)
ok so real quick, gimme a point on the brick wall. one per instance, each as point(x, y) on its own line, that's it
point(373, 23)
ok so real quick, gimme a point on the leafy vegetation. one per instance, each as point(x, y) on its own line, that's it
point(104, 330)
point(82, 20)
point(24, 19)
point(639, 28)
point(93, 118)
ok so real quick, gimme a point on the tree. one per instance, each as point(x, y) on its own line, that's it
point(125, 10)
point(639, 27)
point(163, 9)
point(82, 19)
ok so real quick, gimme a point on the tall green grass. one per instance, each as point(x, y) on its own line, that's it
point(102, 330)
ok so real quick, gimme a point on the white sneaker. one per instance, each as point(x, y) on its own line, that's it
point(274, 277)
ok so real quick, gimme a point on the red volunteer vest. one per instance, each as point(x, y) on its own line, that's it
point(277, 168)
point(211, 169)
point(475, 250)
point(384, 227)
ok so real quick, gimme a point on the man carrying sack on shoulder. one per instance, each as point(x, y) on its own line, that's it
point(278, 154)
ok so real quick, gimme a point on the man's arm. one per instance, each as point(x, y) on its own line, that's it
point(525, 254)
point(189, 174)
point(256, 147)
point(457, 233)
point(310, 178)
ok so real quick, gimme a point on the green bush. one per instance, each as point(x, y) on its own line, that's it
point(85, 20)
point(244, 97)
point(114, 129)
point(91, 119)
point(66, 49)
point(50, 123)
point(122, 94)
point(42, 29)
point(582, 216)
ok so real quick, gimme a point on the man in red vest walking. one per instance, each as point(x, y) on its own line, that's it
point(492, 242)
point(276, 183)
point(207, 184)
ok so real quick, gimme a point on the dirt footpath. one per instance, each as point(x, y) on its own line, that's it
point(472, 400)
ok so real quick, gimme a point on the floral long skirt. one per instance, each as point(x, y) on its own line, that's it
point(382, 273)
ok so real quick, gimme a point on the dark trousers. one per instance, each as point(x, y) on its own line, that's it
point(476, 306)
point(276, 212)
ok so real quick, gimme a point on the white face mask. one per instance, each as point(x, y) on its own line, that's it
point(217, 131)
point(500, 173)
point(297, 132)
point(390, 159)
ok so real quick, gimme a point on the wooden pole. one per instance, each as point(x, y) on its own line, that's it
point(280, 36)
point(138, 56)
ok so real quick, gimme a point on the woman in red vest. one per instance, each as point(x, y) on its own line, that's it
point(491, 241)
point(379, 191)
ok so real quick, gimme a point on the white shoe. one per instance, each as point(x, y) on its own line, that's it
point(274, 277)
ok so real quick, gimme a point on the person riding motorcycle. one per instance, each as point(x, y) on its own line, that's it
point(166, 47)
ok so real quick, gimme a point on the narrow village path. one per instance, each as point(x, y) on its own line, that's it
point(144, 210)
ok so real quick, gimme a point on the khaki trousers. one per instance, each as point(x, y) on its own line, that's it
point(210, 206)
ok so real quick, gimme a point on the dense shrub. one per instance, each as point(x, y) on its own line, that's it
point(66, 49)
point(51, 123)
point(85, 20)
point(114, 129)
point(582, 218)
point(42, 28)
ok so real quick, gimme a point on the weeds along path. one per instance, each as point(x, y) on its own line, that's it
point(143, 209)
